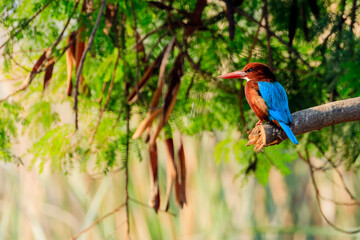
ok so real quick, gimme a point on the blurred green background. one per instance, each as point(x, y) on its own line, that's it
point(220, 206)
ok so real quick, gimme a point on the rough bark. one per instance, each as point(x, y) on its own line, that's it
point(306, 120)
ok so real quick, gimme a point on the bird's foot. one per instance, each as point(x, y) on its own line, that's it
point(258, 123)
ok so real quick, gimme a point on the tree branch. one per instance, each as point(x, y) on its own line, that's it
point(40, 65)
point(18, 64)
point(103, 109)
point(138, 42)
point(78, 73)
point(255, 39)
point(290, 48)
point(268, 35)
point(319, 197)
point(126, 164)
point(27, 23)
point(97, 221)
point(155, 45)
point(306, 120)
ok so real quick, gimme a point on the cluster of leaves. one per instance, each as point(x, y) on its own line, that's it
point(8, 121)
point(227, 37)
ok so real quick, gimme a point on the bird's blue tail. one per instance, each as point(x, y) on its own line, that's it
point(288, 132)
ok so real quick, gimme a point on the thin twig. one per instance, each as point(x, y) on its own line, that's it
point(320, 207)
point(28, 50)
point(169, 8)
point(25, 24)
point(338, 202)
point(194, 67)
point(241, 95)
point(89, 151)
point(23, 86)
point(190, 85)
point(116, 228)
point(64, 49)
point(29, 78)
point(78, 73)
point(353, 20)
point(256, 37)
point(18, 64)
point(290, 48)
point(341, 20)
point(97, 221)
point(149, 34)
point(126, 162)
point(334, 166)
point(318, 196)
point(103, 89)
point(97, 176)
point(154, 46)
point(323, 168)
point(147, 206)
point(197, 67)
point(107, 98)
point(66, 25)
point(268, 35)
point(126, 166)
point(136, 35)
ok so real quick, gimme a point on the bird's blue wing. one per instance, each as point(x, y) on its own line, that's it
point(276, 99)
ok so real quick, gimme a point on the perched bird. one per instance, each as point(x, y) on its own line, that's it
point(266, 97)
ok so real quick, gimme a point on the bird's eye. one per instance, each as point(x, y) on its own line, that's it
point(249, 70)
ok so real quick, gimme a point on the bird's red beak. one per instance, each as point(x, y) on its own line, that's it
point(237, 74)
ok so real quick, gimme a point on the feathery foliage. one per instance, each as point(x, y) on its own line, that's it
point(314, 51)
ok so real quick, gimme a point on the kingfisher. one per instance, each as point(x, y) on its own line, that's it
point(266, 96)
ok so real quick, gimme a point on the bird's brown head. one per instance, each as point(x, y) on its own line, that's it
point(253, 72)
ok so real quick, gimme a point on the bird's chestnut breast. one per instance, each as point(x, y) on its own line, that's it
point(256, 102)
